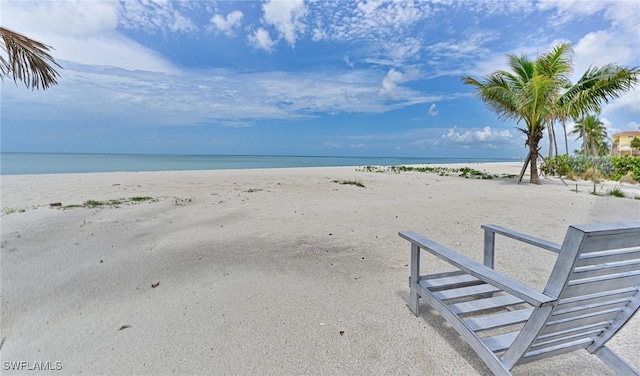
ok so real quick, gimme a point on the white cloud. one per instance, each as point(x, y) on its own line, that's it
point(152, 16)
point(632, 126)
point(628, 102)
point(387, 27)
point(486, 134)
point(227, 24)
point(390, 82)
point(603, 47)
point(357, 146)
point(433, 111)
point(77, 19)
point(287, 17)
point(82, 32)
point(261, 39)
point(348, 62)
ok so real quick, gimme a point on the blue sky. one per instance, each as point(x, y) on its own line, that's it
point(362, 78)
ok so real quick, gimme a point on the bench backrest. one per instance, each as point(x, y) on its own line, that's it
point(597, 280)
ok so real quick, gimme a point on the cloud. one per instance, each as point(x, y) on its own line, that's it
point(603, 47)
point(227, 24)
point(88, 34)
point(261, 39)
point(349, 62)
point(433, 111)
point(287, 18)
point(154, 16)
point(628, 102)
point(390, 82)
point(485, 134)
point(80, 19)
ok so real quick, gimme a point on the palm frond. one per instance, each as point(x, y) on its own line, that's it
point(598, 86)
point(27, 61)
point(556, 63)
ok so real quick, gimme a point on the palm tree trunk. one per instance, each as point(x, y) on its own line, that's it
point(551, 139)
point(566, 142)
point(534, 151)
point(593, 169)
point(555, 141)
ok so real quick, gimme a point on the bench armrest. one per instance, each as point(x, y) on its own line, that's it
point(541, 243)
point(479, 271)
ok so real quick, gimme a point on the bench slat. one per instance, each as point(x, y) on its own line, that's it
point(588, 308)
point(608, 256)
point(605, 269)
point(464, 292)
point(500, 342)
point(573, 322)
point(484, 304)
point(598, 326)
point(556, 350)
point(499, 320)
point(449, 282)
point(599, 284)
point(600, 297)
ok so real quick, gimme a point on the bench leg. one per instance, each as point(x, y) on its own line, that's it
point(413, 281)
point(619, 365)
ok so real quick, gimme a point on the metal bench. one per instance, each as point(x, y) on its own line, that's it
point(593, 291)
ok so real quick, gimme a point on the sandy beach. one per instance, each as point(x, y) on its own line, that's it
point(268, 272)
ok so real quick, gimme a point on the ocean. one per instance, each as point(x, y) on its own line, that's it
point(61, 163)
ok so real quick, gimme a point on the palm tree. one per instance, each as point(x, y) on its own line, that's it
point(538, 92)
point(528, 94)
point(596, 85)
point(27, 60)
point(593, 134)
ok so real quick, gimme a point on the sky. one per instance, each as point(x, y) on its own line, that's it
point(293, 77)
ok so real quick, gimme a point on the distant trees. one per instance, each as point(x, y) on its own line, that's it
point(593, 134)
point(635, 143)
point(26, 60)
point(539, 93)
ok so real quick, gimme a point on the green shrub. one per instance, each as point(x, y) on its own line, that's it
point(624, 164)
point(559, 165)
point(608, 167)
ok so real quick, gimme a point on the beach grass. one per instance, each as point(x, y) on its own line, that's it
point(114, 203)
point(616, 192)
point(357, 183)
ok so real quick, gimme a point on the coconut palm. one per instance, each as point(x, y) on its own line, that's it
point(593, 134)
point(27, 60)
point(527, 94)
point(538, 92)
point(596, 85)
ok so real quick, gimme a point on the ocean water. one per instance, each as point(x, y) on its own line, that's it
point(59, 163)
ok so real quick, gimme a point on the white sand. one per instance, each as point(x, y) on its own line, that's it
point(261, 271)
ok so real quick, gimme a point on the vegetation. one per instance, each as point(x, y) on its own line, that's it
point(616, 192)
point(539, 93)
point(464, 172)
point(92, 204)
point(593, 134)
point(635, 143)
point(580, 166)
point(357, 183)
point(7, 211)
point(27, 61)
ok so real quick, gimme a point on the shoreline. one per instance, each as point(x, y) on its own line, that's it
point(271, 271)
